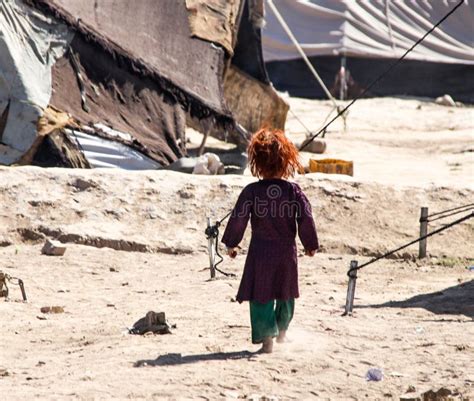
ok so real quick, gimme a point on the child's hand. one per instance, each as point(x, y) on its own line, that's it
point(308, 252)
point(232, 252)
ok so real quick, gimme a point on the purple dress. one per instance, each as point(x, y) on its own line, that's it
point(277, 208)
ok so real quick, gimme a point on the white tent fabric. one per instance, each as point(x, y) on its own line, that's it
point(373, 29)
point(30, 43)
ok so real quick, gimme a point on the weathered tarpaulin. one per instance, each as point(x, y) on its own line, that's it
point(261, 105)
point(141, 67)
point(264, 108)
point(120, 99)
point(155, 39)
point(215, 21)
point(30, 43)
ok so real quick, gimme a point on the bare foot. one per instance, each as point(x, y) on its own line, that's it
point(282, 338)
point(267, 346)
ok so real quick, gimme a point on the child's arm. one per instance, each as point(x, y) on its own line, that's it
point(305, 221)
point(238, 220)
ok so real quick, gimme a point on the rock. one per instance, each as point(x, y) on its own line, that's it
point(445, 100)
point(410, 397)
point(316, 146)
point(52, 309)
point(53, 248)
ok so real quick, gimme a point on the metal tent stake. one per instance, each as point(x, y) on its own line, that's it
point(423, 232)
point(211, 248)
point(351, 288)
point(22, 288)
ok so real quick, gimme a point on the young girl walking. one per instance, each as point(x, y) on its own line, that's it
point(277, 210)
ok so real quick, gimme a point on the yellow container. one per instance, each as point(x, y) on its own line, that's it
point(331, 166)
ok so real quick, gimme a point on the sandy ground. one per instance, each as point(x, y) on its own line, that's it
point(135, 243)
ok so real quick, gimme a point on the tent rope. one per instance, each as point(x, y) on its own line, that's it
point(341, 112)
point(437, 231)
point(450, 210)
point(212, 232)
point(448, 213)
point(392, 66)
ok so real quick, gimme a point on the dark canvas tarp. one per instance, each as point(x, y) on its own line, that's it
point(120, 99)
point(143, 68)
point(247, 88)
point(263, 107)
point(157, 37)
point(141, 71)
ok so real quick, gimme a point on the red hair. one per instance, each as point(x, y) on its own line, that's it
point(271, 154)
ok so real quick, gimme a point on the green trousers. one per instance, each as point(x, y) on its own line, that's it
point(268, 319)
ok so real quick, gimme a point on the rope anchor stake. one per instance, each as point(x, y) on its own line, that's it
point(352, 273)
point(13, 280)
point(351, 285)
point(212, 235)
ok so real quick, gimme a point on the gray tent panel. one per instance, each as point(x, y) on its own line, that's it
point(30, 43)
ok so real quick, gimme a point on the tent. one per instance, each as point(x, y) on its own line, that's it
point(365, 37)
point(114, 83)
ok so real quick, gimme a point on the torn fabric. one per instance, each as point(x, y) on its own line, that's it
point(30, 43)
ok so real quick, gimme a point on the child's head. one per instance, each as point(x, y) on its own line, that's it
point(272, 155)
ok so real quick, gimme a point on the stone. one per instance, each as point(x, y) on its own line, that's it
point(52, 309)
point(53, 248)
point(410, 397)
point(316, 146)
point(445, 100)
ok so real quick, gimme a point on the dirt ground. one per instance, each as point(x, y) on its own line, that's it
point(135, 243)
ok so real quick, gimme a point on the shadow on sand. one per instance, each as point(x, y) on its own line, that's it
point(456, 300)
point(178, 359)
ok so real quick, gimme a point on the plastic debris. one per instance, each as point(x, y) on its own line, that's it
point(374, 375)
point(209, 164)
